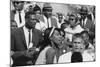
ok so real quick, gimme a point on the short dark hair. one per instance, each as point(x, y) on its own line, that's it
point(13, 2)
point(27, 14)
point(84, 32)
point(36, 8)
point(77, 35)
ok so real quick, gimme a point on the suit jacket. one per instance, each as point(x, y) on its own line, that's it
point(89, 24)
point(52, 19)
point(18, 44)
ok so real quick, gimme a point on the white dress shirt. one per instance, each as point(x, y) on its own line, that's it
point(66, 58)
point(16, 18)
point(59, 24)
point(26, 33)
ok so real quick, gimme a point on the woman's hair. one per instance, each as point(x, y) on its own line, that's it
point(47, 34)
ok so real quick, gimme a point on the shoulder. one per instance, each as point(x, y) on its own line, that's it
point(65, 57)
point(50, 51)
point(88, 57)
point(38, 31)
point(17, 30)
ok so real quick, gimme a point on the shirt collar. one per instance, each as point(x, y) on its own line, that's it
point(25, 28)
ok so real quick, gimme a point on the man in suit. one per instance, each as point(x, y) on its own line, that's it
point(24, 42)
point(18, 13)
point(47, 17)
point(78, 53)
point(87, 22)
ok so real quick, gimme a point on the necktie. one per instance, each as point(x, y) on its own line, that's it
point(76, 57)
point(20, 17)
point(48, 22)
point(82, 23)
point(29, 38)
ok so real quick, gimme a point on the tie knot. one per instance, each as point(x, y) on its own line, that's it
point(29, 31)
point(19, 11)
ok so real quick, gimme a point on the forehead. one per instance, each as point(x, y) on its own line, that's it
point(78, 40)
point(72, 16)
point(85, 34)
point(32, 16)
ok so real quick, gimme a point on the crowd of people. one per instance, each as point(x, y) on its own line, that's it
point(40, 37)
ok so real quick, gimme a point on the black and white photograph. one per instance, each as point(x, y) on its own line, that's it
point(45, 33)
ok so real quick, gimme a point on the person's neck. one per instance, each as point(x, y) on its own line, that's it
point(53, 46)
point(19, 10)
point(47, 16)
point(73, 27)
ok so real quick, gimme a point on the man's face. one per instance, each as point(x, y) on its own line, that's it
point(48, 12)
point(72, 21)
point(78, 45)
point(60, 17)
point(19, 5)
point(57, 38)
point(85, 37)
point(31, 21)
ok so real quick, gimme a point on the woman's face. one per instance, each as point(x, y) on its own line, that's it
point(72, 21)
point(57, 38)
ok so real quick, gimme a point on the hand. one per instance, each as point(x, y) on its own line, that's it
point(86, 29)
point(30, 52)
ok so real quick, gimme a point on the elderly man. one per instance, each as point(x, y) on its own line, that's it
point(24, 42)
point(78, 53)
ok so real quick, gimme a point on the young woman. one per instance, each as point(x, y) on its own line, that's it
point(53, 46)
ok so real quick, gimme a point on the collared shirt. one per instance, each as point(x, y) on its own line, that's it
point(65, 58)
point(59, 24)
point(16, 18)
point(26, 33)
point(48, 22)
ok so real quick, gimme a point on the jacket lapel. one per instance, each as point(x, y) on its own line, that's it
point(23, 37)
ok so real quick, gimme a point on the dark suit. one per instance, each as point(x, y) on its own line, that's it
point(18, 44)
point(53, 20)
point(89, 24)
